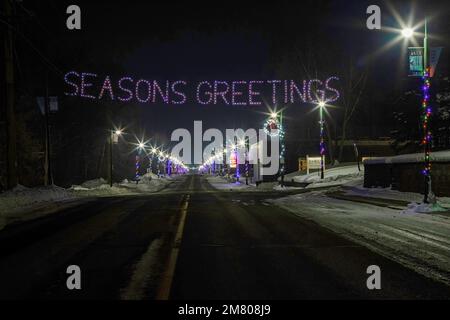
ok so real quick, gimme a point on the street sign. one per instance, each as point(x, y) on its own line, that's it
point(52, 104)
point(313, 163)
point(415, 61)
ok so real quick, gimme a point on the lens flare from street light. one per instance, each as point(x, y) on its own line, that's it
point(407, 32)
point(141, 145)
point(118, 132)
point(321, 104)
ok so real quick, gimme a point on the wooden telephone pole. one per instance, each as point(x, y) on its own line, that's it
point(11, 144)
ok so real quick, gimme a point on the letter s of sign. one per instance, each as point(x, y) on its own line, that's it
point(374, 20)
point(74, 280)
point(74, 20)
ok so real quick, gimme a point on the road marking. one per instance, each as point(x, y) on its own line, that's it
point(167, 279)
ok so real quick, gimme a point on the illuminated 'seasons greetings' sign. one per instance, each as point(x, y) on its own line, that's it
point(241, 92)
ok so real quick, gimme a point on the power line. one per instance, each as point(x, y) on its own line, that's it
point(30, 43)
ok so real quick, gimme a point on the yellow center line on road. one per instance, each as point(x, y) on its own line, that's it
point(167, 279)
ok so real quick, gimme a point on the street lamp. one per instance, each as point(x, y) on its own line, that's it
point(407, 32)
point(321, 105)
point(114, 138)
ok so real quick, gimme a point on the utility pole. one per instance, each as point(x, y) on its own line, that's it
point(111, 137)
point(428, 193)
point(282, 160)
point(11, 143)
point(322, 142)
point(48, 178)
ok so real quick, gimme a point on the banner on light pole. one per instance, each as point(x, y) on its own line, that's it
point(415, 61)
point(52, 104)
point(435, 53)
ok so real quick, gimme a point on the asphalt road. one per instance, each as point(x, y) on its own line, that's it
point(192, 242)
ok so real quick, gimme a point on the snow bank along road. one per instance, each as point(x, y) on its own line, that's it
point(416, 240)
point(229, 244)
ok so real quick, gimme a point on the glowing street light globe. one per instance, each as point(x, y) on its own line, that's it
point(118, 132)
point(407, 32)
point(273, 114)
point(321, 104)
point(141, 145)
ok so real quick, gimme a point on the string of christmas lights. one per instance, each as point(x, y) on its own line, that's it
point(426, 115)
point(236, 93)
point(137, 167)
point(274, 128)
point(149, 88)
point(322, 145)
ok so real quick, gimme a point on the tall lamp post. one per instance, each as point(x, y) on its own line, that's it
point(114, 138)
point(153, 152)
point(322, 143)
point(224, 166)
point(141, 146)
point(426, 113)
point(281, 137)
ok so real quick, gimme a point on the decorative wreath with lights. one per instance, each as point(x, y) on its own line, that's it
point(272, 127)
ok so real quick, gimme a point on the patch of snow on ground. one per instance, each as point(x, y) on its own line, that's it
point(349, 175)
point(14, 201)
point(22, 203)
point(222, 183)
point(387, 193)
point(278, 187)
point(24, 197)
point(99, 187)
point(436, 156)
point(415, 207)
point(419, 241)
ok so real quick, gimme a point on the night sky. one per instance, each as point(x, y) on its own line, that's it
point(233, 42)
point(225, 41)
